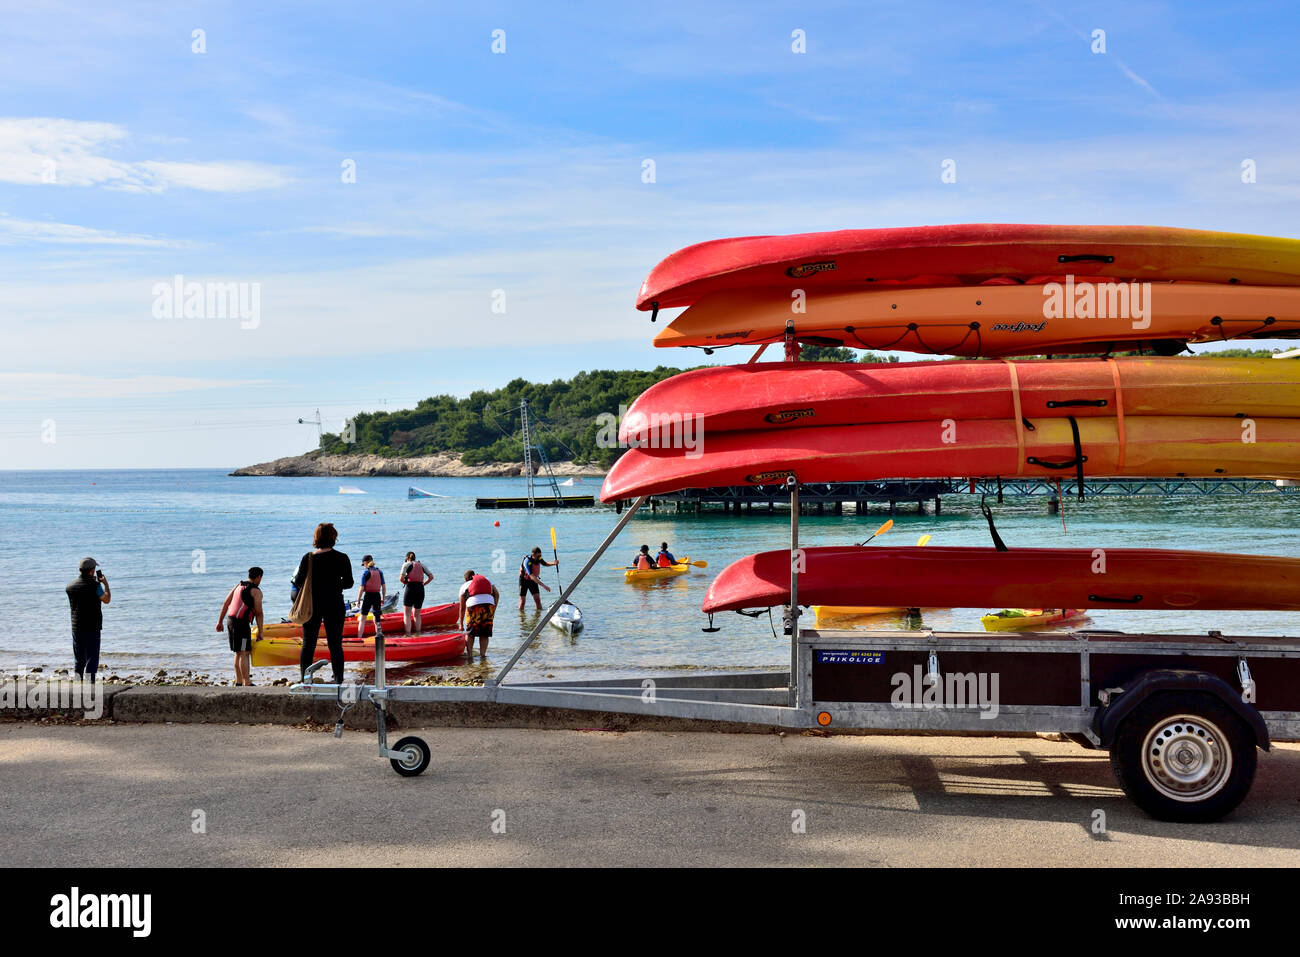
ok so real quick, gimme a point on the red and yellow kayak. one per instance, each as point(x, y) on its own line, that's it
point(433, 616)
point(992, 321)
point(412, 649)
point(967, 254)
point(1142, 446)
point(784, 395)
point(979, 577)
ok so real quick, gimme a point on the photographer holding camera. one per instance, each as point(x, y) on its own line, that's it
point(86, 595)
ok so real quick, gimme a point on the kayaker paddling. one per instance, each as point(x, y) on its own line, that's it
point(530, 570)
point(478, 606)
point(414, 576)
point(243, 607)
point(642, 561)
point(665, 558)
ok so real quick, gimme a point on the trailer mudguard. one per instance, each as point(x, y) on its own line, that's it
point(1107, 719)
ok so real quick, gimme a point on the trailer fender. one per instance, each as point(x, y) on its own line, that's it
point(1107, 719)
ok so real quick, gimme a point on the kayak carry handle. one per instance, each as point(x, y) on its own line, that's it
point(1122, 601)
point(1086, 258)
point(1068, 403)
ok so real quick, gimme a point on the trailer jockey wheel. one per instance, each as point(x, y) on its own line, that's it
point(1184, 757)
point(414, 759)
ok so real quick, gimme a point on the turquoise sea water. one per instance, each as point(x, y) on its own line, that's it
point(173, 543)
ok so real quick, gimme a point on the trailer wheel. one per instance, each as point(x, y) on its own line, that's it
point(1184, 757)
point(414, 759)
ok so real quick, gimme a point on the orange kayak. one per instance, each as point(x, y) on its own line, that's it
point(993, 321)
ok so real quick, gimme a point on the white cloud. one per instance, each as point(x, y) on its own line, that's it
point(45, 151)
point(14, 231)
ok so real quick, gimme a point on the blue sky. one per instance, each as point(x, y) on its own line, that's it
point(521, 171)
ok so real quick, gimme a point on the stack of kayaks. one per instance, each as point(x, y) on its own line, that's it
point(985, 292)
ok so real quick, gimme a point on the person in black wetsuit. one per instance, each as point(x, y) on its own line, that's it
point(331, 575)
point(87, 596)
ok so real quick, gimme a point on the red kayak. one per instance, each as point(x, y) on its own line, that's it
point(413, 649)
point(1142, 446)
point(968, 254)
point(979, 577)
point(778, 395)
point(434, 616)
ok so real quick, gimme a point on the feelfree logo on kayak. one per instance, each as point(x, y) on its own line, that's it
point(809, 269)
point(1094, 300)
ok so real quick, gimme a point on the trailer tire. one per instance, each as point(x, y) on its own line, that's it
point(1184, 757)
point(415, 757)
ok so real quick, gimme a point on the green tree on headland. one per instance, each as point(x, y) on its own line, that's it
point(484, 426)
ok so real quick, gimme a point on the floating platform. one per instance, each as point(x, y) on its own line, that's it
point(540, 501)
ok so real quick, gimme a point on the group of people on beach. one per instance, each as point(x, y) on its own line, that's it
point(324, 574)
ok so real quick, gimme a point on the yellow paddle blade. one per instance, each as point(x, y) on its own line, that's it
point(552, 537)
point(923, 540)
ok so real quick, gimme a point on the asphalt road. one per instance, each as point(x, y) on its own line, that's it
point(122, 795)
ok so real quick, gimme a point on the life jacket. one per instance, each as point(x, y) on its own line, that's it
point(643, 562)
point(665, 561)
point(415, 574)
point(526, 567)
point(374, 580)
point(479, 592)
point(241, 604)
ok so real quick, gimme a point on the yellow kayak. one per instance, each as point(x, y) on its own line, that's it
point(826, 614)
point(1019, 619)
point(654, 574)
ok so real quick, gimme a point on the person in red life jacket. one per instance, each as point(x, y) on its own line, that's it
point(86, 597)
point(665, 558)
point(331, 576)
point(241, 608)
point(530, 570)
point(370, 596)
point(414, 576)
point(642, 561)
point(478, 605)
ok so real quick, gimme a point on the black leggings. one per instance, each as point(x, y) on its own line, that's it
point(332, 618)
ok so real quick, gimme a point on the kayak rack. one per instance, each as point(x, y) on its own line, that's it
point(1181, 715)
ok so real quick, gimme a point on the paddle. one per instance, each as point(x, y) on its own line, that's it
point(880, 531)
point(923, 540)
point(555, 554)
point(630, 568)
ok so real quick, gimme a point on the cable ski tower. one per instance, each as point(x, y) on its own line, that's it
point(529, 447)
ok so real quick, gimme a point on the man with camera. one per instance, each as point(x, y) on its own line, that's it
point(86, 595)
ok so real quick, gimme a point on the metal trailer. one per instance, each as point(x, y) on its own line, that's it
point(1181, 715)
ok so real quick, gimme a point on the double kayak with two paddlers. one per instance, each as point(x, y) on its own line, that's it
point(666, 571)
point(435, 616)
point(421, 649)
point(1022, 619)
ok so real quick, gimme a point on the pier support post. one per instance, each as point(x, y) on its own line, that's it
point(936, 505)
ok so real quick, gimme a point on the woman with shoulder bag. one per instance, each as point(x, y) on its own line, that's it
point(323, 575)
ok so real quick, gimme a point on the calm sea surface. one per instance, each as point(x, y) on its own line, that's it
point(173, 543)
